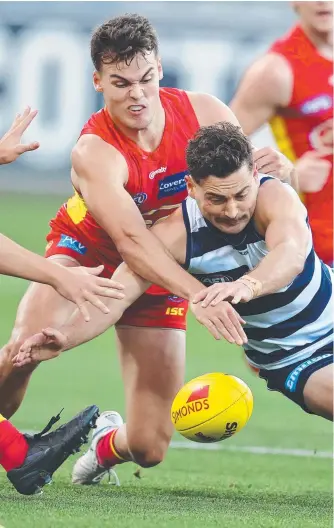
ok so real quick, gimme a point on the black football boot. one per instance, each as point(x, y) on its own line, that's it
point(47, 452)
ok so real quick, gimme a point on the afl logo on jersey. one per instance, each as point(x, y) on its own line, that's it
point(140, 198)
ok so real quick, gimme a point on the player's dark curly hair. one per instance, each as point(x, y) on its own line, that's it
point(218, 150)
point(121, 39)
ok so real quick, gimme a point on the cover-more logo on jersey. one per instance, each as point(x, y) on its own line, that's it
point(172, 184)
point(196, 402)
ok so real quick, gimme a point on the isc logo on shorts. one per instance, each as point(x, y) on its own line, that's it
point(175, 311)
point(72, 243)
point(172, 185)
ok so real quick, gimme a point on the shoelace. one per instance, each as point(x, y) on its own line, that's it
point(50, 424)
point(112, 473)
point(113, 479)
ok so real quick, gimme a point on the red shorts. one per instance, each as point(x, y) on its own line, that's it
point(150, 310)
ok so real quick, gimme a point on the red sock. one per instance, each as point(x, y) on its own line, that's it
point(106, 452)
point(13, 445)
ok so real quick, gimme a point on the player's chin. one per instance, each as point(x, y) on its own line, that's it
point(324, 24)
point(138, 124)
point(231, 228)
point(138, 121)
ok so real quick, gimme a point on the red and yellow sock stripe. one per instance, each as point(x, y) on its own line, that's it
point(112, 445)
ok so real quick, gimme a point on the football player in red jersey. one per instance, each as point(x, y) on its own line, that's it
point(291, 87)
point(128, 172)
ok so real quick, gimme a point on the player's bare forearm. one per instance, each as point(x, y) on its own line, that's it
point(282, 217)
point(17, 261)
point(76, 333)
point(144, 253)
point(146, 256)
point(280, 267)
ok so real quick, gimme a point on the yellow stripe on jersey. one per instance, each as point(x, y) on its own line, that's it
point(280, 132)
point(2, 418)
point(76, 208)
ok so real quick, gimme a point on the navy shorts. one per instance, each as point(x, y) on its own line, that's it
point(292, 379)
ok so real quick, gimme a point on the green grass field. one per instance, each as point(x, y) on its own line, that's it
point(192, 488)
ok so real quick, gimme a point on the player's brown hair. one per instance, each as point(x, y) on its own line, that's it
point(121, 39)
point(218, 150)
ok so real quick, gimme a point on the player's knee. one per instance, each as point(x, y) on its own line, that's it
point(147, 453)
point(318, 393)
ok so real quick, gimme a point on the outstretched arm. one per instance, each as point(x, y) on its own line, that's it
point(77, 284)
point(281, 218)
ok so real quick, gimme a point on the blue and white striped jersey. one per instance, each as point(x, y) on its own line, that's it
point(282, 327)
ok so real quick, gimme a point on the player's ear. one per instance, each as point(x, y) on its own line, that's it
point(190, 186)
point(255, 173)
point(97, 82)
point(160, 70)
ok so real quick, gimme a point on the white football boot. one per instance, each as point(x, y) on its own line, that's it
point(87, 469)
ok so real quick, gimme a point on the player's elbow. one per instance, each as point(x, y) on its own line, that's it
point(299, 265)
point(298, 261)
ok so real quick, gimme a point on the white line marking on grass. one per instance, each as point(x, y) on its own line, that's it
point(256, 450)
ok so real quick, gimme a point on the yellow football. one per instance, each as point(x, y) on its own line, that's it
point(212, 407)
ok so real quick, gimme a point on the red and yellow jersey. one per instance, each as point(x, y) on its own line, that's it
point(156, 180)
point(307, 124)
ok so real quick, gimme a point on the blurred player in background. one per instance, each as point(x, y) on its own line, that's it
point(291, 87)
point(129, 172)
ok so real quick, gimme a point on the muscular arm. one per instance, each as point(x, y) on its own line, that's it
point(282, 218)
point(102, 174)
point(266, 86)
